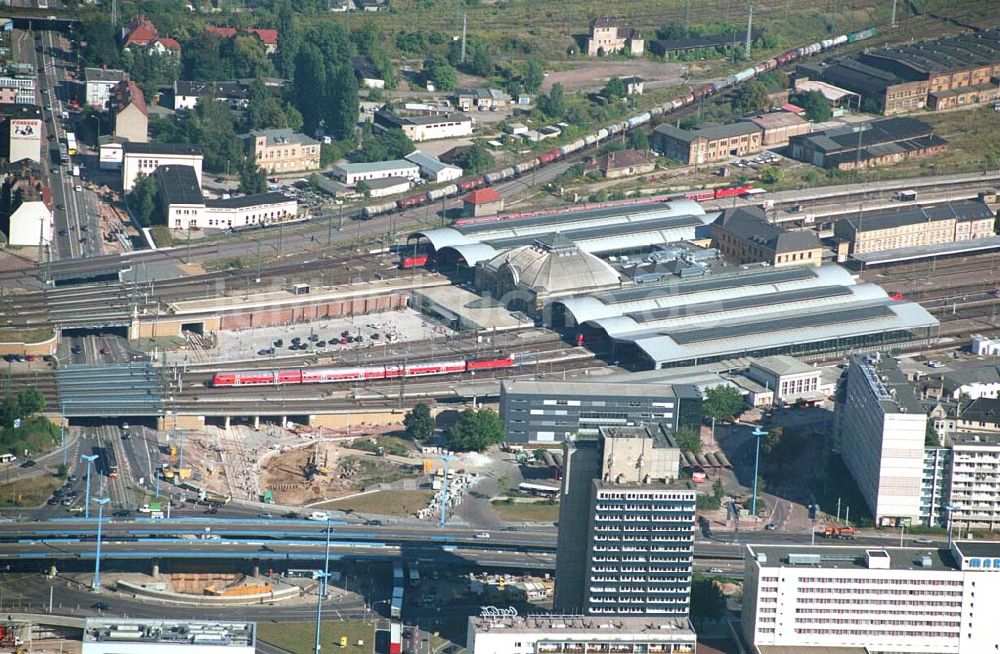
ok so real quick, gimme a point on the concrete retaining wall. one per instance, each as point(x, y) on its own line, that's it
point(277, 595)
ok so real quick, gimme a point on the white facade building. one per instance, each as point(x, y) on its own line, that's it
point(789, 378)
point(352, 173)
point(20, 89)
point(974, 479)
point(30, 224)
point(386, 186)
point(893, 600)
point(881, 440)
point(100, 85)
point(432, 169)
point(984, 346)
point(496, 631)
point(145, 158)
point(150, 636)
point(186, 208)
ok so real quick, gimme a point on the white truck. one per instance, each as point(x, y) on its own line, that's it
point(321, 516)
point(76, 171)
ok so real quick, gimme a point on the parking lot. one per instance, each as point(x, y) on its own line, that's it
point(332, 336)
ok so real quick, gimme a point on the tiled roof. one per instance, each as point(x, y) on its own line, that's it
point(482, 196)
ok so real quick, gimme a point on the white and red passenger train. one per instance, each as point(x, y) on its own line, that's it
point(360, 373)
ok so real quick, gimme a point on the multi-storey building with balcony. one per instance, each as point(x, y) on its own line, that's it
point(626, 532)
point(974, 479)
point(892, 600)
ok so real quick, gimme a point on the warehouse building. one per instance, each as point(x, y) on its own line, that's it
point(763, 311)
point(903, 600)
point(352, 173)
point(744, 235)
point(916, 225)
point(779, 126)
point(425, 128)
point(940, 74)
point(708, 144)
point(867, 145)
point(551, 412)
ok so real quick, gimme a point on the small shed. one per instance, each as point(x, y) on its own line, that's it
point(484, 202)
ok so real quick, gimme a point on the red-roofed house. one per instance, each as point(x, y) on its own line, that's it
point(268, 37)
point(142, 33)
point(131, 114)
point(484, 202)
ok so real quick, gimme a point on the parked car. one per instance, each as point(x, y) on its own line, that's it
point(483, 535)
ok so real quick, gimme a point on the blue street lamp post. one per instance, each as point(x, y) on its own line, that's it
point(100, 501)
point(322, 576)
point(759, 435)
point(89, 458)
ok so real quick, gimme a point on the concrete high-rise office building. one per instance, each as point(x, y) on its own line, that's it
point(881, 440)
point(626, 526)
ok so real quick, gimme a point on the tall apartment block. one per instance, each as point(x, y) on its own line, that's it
point(882, 427)
point(878, 600)
point(626, 525)
point(549, 412)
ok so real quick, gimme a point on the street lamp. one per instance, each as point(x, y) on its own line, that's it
point(322, 577)
point(444, 488)
point(100, 501)
point(950, 508)
point(759, 434)
point(89, 458)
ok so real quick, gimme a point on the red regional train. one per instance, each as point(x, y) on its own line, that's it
point(364, 373)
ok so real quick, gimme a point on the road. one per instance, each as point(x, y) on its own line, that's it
point(78, 231)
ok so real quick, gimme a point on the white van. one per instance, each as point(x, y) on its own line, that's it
point(321, 516)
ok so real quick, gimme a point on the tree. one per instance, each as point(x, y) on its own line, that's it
point(718, 490)
point(772, 440)
point(476, 159)
point(419, 423)
point(476, 430)
point(364, 188)
point(267, 111)
point(534, 75)
point(341, 114)
point(202, 59)
point(289, 40)
point(553, 105)
point(870, 105)
point(931, 438)
point(722, 403)
point(438, 71)
point(770, 175)
point(333, 42)
point(252, 179)
point(310, 86)
point(391, 144)
point(637, 140)
point(482, 61)
point(615, 89)
point(61, 470)
point(31, 402)
point(101, 47)
point(212, 125)
point(817, 107)
point(142, 200)
point(248, 56)
point(751, 98)
point(688, 440)
point(707, 601)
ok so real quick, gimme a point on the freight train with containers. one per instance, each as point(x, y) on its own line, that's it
point(708, 89)
point(359, 373)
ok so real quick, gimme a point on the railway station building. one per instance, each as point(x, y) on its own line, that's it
point(916, 225)
point(802, 311)
point(708, 144)
point(745, 235)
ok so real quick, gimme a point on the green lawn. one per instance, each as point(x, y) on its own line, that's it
point(300, 637)
point(29, 492)
point(394, 503)
point(527, 511)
